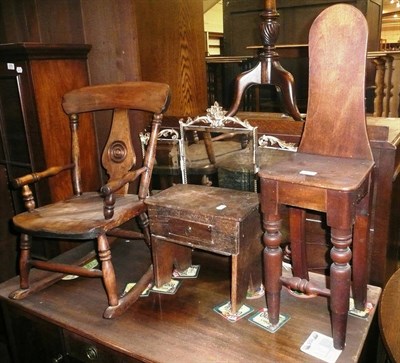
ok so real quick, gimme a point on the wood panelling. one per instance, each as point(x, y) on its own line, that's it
point(54, 124)
point(43, 21)
point(59, 21)
point(110, 26)
point(16, 25)
point(170, 39)
point(172, 50)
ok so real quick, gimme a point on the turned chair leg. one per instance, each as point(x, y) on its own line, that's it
point(340, 280)
point(143, 222)
point(107, 268)
point(273, 265)
point(24, 264)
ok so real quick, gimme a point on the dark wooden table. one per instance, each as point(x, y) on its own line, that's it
point(389, 316)
point(166, 328)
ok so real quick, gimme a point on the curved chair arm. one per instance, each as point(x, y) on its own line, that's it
point(35, 177)
point(113, 186)
point(24, 182)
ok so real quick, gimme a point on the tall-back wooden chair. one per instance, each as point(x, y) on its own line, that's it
point(99, 214)
point(330, 172)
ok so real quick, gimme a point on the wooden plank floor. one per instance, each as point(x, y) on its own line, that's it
point(183, 327)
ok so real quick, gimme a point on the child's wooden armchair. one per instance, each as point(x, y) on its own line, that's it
point(98, 214)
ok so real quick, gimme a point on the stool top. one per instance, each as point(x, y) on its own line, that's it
point(212, 201)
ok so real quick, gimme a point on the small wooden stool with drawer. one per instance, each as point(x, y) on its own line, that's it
point(218, 220)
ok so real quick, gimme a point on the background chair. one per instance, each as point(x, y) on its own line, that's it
point(330, 172)
point(96, 215)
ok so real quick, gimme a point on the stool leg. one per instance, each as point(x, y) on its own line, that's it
point(165, 255)
point(340, 277)
point(183, 257)
point(360, 254)
point(297, 219)
point(238, 288)
point(246, 267)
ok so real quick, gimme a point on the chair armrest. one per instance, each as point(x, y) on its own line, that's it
point(113, 186)
point(35, 177)
point(24, 182)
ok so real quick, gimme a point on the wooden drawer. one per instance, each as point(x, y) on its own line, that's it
point(85, 350)
point(220, 236)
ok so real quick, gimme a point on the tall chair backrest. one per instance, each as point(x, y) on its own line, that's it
point(336, 110)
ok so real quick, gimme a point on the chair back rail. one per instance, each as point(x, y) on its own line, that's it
point(337, 114)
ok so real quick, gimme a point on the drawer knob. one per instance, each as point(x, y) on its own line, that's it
point(91, 353)
point(188, 230)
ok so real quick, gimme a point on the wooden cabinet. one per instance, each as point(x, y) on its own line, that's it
point(34, 129)
point(44, 342)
